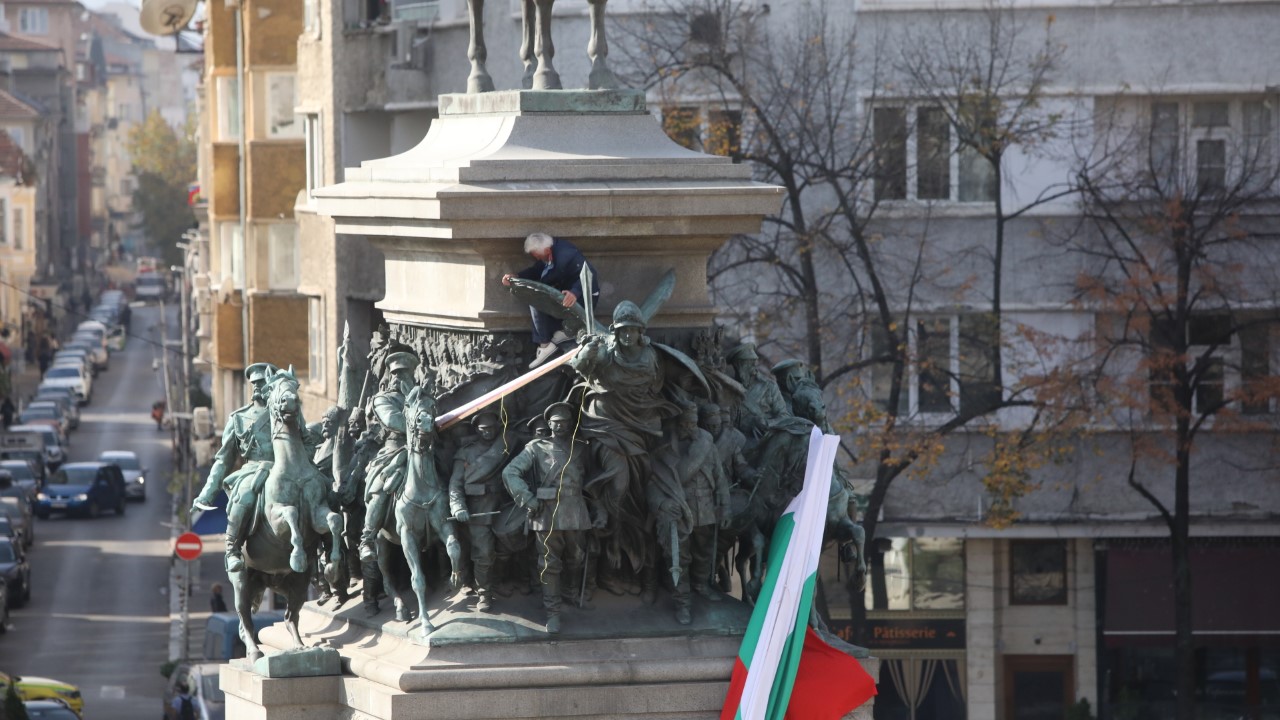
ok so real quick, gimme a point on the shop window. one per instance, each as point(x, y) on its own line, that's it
point(917, 574)
point(1038, 572)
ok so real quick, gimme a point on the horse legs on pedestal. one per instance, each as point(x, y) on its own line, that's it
point(527, 31)
point(601, 76)
point(385, 548)
point(247, 587)
point(294, 588)
point(546, 77)
point(413, 554)
point(478, 81)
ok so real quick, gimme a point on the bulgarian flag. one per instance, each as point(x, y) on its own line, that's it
point(784, 670)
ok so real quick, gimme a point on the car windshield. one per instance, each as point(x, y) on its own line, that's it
point(52, 713)
point(19, 470)
point(65, 371)
point(74, 476)
point(150, 280)
point(40, 413)
point(6, 553)
point(209, 689)
point(124, 462)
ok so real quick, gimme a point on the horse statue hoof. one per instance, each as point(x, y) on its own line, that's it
point(402, 614)
point(331, 573)
point(425, 631)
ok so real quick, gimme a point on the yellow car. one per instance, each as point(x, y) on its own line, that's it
point(38, 688)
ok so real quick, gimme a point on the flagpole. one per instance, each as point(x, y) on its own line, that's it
point(443, 422)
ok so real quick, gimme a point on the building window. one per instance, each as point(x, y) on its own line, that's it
point(713, 130)
point(19, 228)
point(1226, 141)
point(916, 574)
point(282, 97)
point(918, 157)
point(1210, 343)
point(950, 362)
point(1038, 572)
point(232, 253)
point(33, 21)
point(311, 133)
point(227, 88)
point(315, 339)
point(282, 252)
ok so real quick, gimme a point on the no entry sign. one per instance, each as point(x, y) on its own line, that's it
point(188, 546)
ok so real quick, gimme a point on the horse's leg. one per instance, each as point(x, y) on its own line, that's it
point(247, 586)
point(295, 593)
point(385, 548)
point(527, 27)
point(546, 77)
point(601, 76)
point(479, 80)
point(752, 588)
point(412, 545)
point(288, 514)
point(447, 531)
point(325, 522)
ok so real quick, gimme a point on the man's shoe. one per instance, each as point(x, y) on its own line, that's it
point(707, 592)
point(484, 604)
point(560, 336)
point(545, 352)
point(553, 625)
point(368, 553)
point(683, 615)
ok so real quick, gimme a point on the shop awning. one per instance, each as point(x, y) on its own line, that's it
point(1234, 583)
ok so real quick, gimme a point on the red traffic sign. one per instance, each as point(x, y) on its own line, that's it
point(188, 546)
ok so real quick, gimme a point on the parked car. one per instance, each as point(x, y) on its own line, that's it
point(52, 446)
point(24, 475)
point(135, 480)
point(8, 529)
point(16, 572)
point(65, 399)
point(76, 356)
point(26, 442)
point(50, 710)
point(72, 377)
point(96, 344)
point(85, 488)
point(33, 459)
point(201, 680)
point(45, 410)
point(15, 503)
point(40, 688)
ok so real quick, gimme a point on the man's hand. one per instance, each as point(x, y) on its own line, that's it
point(462, 516)
point(670, 508)
point(506, 279)
point(569, 299)
point(534, 506)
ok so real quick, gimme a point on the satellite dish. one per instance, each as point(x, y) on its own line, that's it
point(166, 17)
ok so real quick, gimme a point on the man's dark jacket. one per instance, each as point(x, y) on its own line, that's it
point(564, 271)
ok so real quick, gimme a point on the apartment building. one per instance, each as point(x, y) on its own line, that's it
point(251, 170)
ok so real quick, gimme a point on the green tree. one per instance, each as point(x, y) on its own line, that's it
point(164, 162)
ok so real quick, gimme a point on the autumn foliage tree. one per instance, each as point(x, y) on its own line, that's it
point(831, 281)
point(164, 163)
point(1182, 274)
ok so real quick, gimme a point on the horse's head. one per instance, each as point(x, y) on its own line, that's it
point(419, 418)
point(282, 399)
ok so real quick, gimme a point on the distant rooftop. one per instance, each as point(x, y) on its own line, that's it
point(13, 43)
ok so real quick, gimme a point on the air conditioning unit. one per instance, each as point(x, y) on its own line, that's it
point(202, 422)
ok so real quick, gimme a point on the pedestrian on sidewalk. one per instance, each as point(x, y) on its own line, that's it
point(7, 411)
point(182, 704)
point(216, 603)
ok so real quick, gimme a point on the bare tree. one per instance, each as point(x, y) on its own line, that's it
point(1183, 278)
point(829, 280)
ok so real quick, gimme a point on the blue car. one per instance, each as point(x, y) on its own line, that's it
point(83, 488)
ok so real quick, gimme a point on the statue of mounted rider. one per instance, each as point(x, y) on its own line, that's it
point(652, 468)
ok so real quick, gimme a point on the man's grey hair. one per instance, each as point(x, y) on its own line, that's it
point(537, 241)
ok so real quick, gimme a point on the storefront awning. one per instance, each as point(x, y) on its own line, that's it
point(1234, 583)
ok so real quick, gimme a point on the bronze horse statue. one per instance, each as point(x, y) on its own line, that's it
point(291, 515)
point(537, 49)
point(421, 511)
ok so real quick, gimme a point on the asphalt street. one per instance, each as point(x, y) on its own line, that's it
point(99, 610)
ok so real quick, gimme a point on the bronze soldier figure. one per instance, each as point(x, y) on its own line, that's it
point(387, 470)
point(476, 494)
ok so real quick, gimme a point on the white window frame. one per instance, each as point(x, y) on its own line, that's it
point(311, 18)
point(313, 136)
point(316, 341)
point(277, 108)
point(1232, 134)
point(33, 20)
point(283, 259)
point(912, 378)
point(227, 89)
point(231, 253)
point(911, 115)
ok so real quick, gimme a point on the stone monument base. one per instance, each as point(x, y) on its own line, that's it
point(501, 665)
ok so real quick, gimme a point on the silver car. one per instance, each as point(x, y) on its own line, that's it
point(135, 480)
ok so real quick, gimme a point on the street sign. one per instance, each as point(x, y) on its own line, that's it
point(188, 546)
